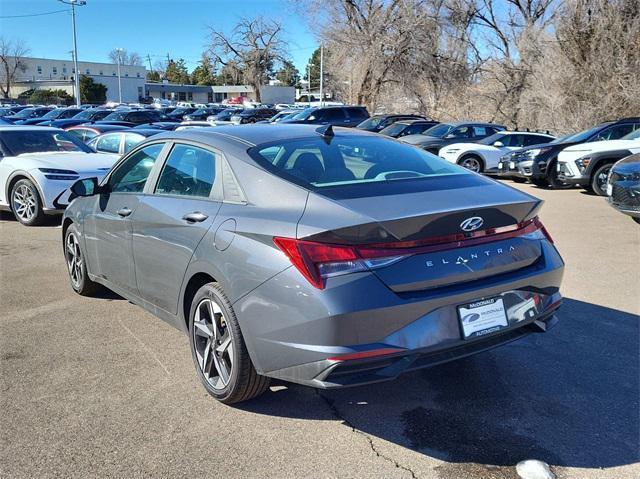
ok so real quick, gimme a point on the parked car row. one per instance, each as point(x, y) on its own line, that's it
point(482, 147)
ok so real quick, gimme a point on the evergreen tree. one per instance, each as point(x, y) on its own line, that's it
point(177, 72)
point(92, 92)
point(288, 74)
point(204, 74)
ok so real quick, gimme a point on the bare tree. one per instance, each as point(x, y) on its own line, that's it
point(126, 58)
point(589, 72)
point(560, 65)
point(253, 47)
point(11, 63)
point(510, 31)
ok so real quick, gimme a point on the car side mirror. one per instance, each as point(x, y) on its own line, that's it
point(311, 118)
point(450, 136)
point(85, 187)
point(498, 144)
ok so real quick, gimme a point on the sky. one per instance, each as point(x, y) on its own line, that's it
point(148, 27)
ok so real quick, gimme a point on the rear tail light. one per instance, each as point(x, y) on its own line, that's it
point(318, 261)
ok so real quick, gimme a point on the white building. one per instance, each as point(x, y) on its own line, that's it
point(44, 73)
point(218, 93)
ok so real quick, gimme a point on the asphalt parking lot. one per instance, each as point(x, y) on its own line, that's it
point(100, 388)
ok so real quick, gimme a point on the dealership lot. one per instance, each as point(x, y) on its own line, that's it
point(98, 387)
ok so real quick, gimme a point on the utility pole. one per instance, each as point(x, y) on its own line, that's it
point(119, 50)
point(321, 74)
point(76, 77)
point(149, 60)
point(73, 59)
point(309, 65)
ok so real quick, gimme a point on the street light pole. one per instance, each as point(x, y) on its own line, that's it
point(76, 77)
point(119, 50)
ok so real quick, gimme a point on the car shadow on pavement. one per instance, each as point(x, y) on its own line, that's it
point(569, 397)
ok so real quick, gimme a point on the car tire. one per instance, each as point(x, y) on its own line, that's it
point(517, 179)
point(26, 203)
point(637, 220)
point(552, 177)
point(599, 179)
point(218, 349)
point(472, 162)
point(540, 182)
point(76, 264)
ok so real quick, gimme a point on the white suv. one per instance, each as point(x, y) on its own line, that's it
point(483, 156)
point(588, 164)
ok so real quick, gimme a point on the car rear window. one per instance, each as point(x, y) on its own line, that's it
point(321, 162)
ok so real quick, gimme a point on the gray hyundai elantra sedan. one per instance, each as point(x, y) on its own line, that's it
point(325, 257)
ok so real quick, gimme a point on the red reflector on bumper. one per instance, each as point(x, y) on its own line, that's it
point(366, 354)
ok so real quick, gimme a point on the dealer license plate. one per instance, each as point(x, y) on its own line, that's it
point(482, 317)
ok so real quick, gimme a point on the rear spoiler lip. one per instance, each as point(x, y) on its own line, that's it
point(431, 245)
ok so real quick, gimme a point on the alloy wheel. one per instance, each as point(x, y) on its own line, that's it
point(213, 343)
point(24, 203)
point(74, 260)
point(601, 179)
point(471, 164)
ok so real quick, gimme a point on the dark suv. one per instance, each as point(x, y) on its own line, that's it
point(131, 117)
point(408, 127)
point(539, 163)
point(252, 115)
point(349, 116)
point(445, 134)
point(378, 122)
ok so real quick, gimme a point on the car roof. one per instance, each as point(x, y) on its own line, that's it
point(417, 120)
point(27, 128)
point(518, 132)
point(400, 115)
point(143, 131)
point(256, 134)
point(472, 123)
point(100, 127)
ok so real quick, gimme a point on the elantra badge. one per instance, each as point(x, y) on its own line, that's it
point(471, 224)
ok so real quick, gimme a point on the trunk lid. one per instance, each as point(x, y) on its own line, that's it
point(425, 221)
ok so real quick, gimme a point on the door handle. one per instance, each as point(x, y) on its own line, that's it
point(124, 212)
point(195, 217)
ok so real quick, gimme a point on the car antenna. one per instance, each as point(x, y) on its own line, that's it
point(326, 131)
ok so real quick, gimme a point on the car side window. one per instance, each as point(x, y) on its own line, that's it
point(480, 131)
point(461, 132)
point(131, 140)
point(108, 143)
point(514, 140)
point(614, 132)
point(131, 175)
point(189, 171)
point(330, 114)
point(80, 134)
point(360, 115)
point(137, 116)
point(536, 140)
point(413, 130)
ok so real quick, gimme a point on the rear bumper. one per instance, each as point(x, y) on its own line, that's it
point(336, 374)
point(318, 338)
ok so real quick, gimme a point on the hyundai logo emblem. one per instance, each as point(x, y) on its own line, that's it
point(471, 224)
